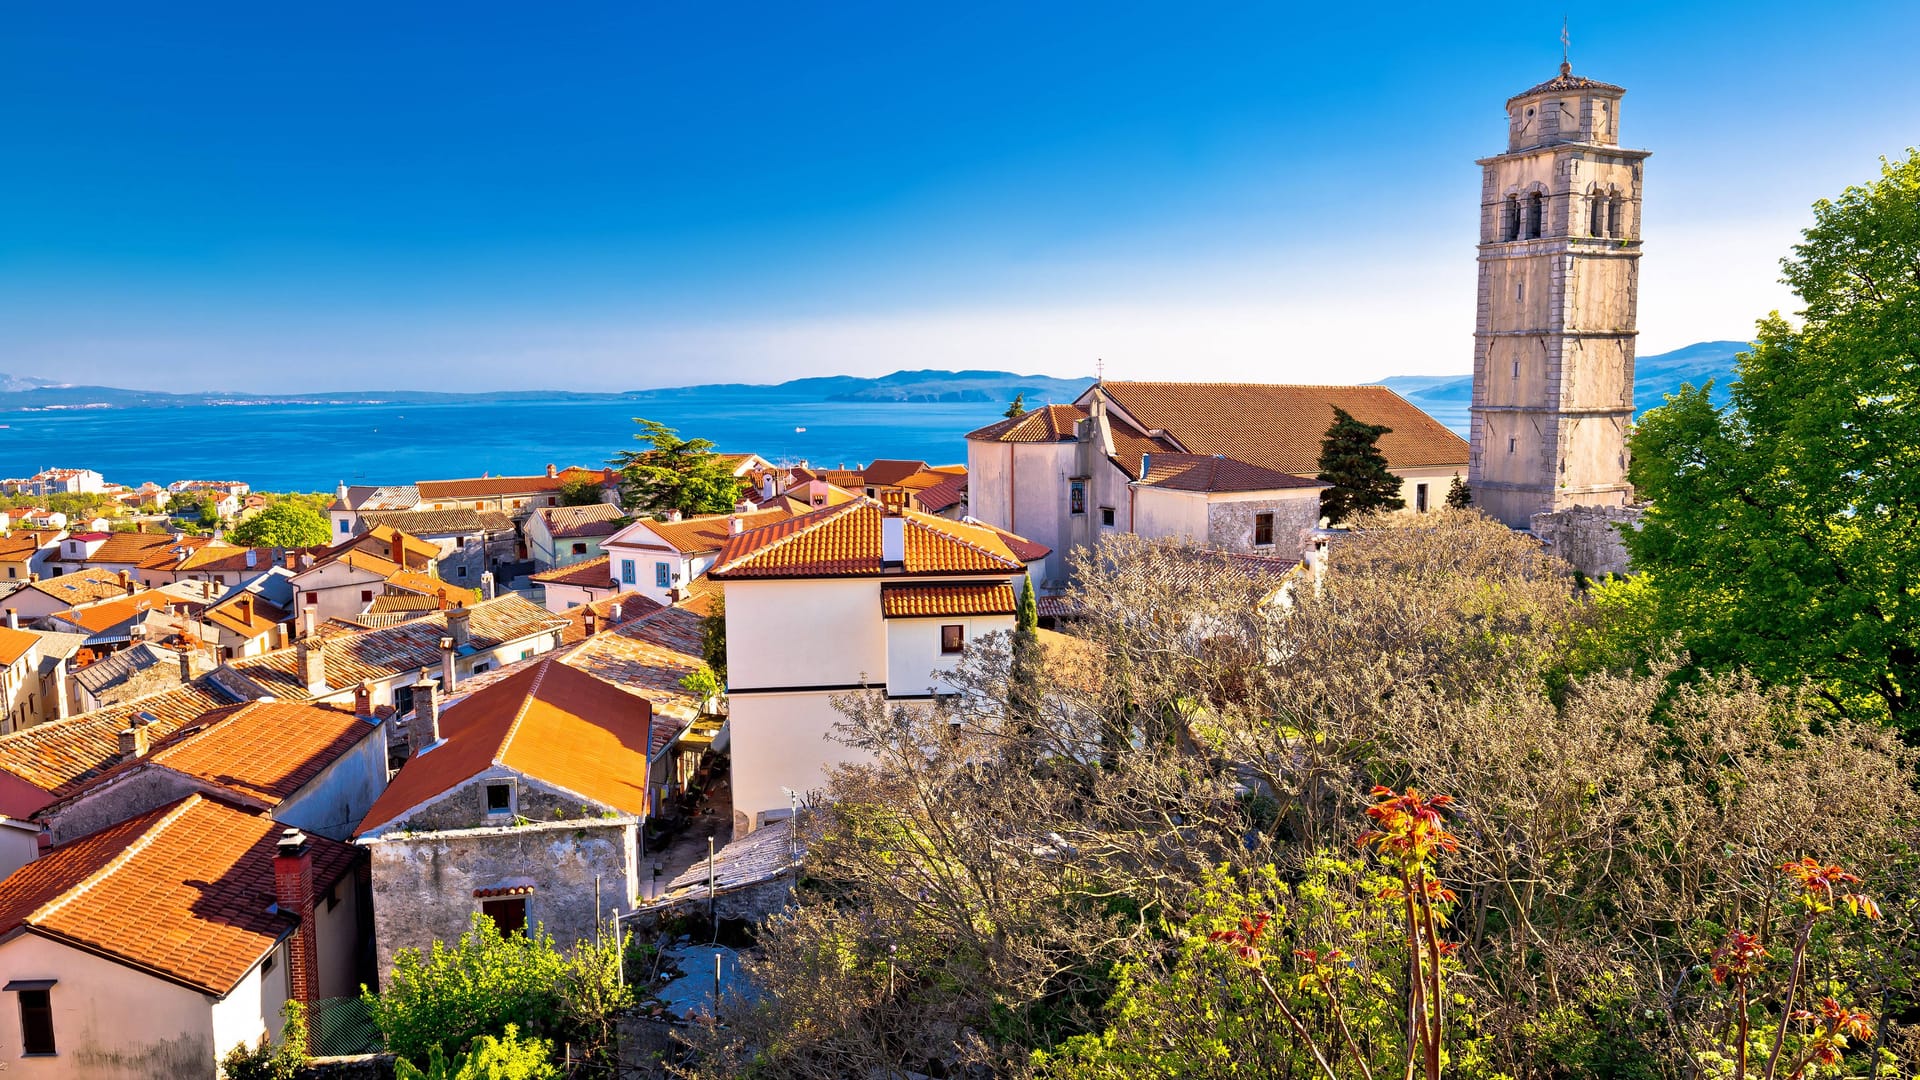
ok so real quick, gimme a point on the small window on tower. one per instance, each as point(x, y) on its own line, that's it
point(499, 798)
point(1263, 529)
point(1516, 369)
point(1511, 443)
point(1536, 215)
point(1510, 219)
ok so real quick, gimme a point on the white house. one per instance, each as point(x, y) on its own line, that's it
point(850, 597)
point(151, 948)
point(1065, 475)
point(658, 558)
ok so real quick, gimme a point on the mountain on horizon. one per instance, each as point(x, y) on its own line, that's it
point(1448, 397)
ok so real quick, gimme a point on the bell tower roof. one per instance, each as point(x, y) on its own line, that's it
point(1565, 81)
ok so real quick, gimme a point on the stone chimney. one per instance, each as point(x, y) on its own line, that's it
point(133, 743)
point(126, 582)
point(487, 587)
point(458, 625)
point(13, 619)
point(424, 729)
point(440, 599)
point(244, 606)
point(613, 615)
point(312, 656)
point(736, 526)
point(590, 621)
point(552, 472)
point(672, 516)
point(446, 664)
point(293, 894)
point(186, 665)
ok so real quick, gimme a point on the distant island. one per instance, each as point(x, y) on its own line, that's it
point(21, 393)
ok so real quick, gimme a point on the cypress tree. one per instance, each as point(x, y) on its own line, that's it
point(1459, 495)
point(1351, 461)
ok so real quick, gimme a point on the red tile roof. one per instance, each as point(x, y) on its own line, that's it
point(887, 472)
point(1048, 423)
point(844, 541)
point(1563, 82)
point(944, 493)
point(565, 522)
point(56, 757)
point(485, 487)
point(1205, 472)
point(97, 618)
point(702, 534)
point(15, 644)
point(185, 891)
point(928, 601)
point(632, 606)
point(1023, 549)
point(551, 723)
point(82, 586)
point(592, 574)
point(1279, 427)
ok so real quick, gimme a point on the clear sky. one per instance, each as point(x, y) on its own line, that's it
point(517, 195)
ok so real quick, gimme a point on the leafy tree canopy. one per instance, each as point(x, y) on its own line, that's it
point(1017, 407)
point(580, 491)
point(1350, 460)
point(1781, 536)
point(284, 524)
point(675, 474)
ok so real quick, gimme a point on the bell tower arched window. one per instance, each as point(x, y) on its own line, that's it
point(1597, 214)
point(1510, 219)
point(1616, 216)
point(1536, 214)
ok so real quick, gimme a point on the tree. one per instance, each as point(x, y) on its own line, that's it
point(1017, 407)
point(267, 1061)
point(285, 524)
point(713, 638)
point(1459, 495)
point(1780, 536)
point(581, 491)
point(675, 474)
point(1351, 461)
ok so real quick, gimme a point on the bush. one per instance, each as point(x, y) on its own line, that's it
point(509, 1057)
point(267, 1061)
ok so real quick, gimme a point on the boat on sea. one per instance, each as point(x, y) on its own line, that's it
point(799, 431)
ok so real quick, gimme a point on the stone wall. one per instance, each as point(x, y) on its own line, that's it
point(1589, 537)
point(424, 883)
point(1230, 524)
point(465, 807)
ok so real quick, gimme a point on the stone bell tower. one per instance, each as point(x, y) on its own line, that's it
point(1559, 294)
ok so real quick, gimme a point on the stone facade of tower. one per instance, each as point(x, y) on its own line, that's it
point(1559, 287)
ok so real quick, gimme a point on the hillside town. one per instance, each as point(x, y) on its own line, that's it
point(269, 748)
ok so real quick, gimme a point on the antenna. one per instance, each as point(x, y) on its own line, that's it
point(1099, 371)
point(1566, 48)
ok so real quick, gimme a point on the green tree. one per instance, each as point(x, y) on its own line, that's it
point(713, 638)
point(1459, 495)
point(267, 1061)
point(581, 491)
point(284, 524)
point(1351, 461)
point(675, 474)
point(509, 1057)
point(1781, 534)
point(1017, 407)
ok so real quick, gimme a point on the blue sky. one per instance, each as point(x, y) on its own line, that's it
point(481, 196)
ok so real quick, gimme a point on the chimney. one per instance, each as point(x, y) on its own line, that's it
point(552, 472)
point(613, 615)
point(280, 635)
point(424, 729)
point(186, 665)
point(340, 493)
point(13, 619)
point(133, 743)
point(767, 487)
point(893, 538)
point(293, 895)
point(591, 621)
point(487, 588)
point(293, 559)
point(673, 516)
point(312, 655)
point(457, 625)
point(245, 607)
point(446, 664)
point(253, 559)
point(363, 700)
point(440, 599)
point(736, 526)
point(1146, 463)
point(126, 582)
point(398, 549)
point(308, 619)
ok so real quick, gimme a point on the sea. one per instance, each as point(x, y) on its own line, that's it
point(312, 447)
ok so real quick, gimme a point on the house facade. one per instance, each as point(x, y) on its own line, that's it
point(560, 536)
point(848, 598)
point(662, 559)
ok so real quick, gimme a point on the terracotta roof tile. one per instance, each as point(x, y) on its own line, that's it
point(1205, 472)
point(485, 487)
point(943, 494)
point(702, 534)
point(98, 618)
point(15, 644)
point(594, 573)
point(1048, 423)
point(59, 755)
point(264, 750)
point(1565, 81)
point(632, 606)
point(887, 472)
point(565, 522)
point(549, 722)
point(928, 601)
point(1023, 549)
point(82, 586)
point(185, 890)
point(844, 541)
point(418, 523)
point(1280, 427)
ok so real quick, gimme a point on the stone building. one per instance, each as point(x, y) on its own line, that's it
point(1559, 285)
point(523, 803)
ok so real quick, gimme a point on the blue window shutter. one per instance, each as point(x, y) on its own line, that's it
point(662, 575)
point(626, 571)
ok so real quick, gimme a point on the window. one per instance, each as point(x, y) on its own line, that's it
point(662, 575)
point(627, 575)
point(579, 549)
point(1516, 369)
point(1511, 443)
point(500, 798)
point(510, 914)
point(313, 598)
point(13, 571)
point(551, 501)
point(1263, 529)
point(1077, 497)
point(36, 1021)
point(343, 527)
point(459, 541)
point(953, 639)
point(1536, 215)
point(478, 668)
point(1597, 215)
point(266, 966)
point(1106, 516)
point(1510, 223)
point(366, 596)
point(1420, 497)
point(1616, 217)
point(463, 571)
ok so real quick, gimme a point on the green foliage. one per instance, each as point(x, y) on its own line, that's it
point(1027, 618)
point(317, 501)
point(1351, 461)
point(487, 981)
point(713, 638)
point(581, 491)
point(1016, 407)
point(703, 683)
point(675, 474)
point(267, 1061)
point(88, 504)
point(1459, 495)
point(1781, 534)
point(284, 524)
point(508, 1057)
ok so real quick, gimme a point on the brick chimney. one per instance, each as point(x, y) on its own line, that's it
point(552, 472)
point(281, 636)
point(293, 894)
point(312, 655)
point(424, 729)
point(363, 700)
point(133, 742)
point(591, 621)
point(126, 582)
point(398, 547)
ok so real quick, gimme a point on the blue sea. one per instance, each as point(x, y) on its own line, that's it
point(313, 447)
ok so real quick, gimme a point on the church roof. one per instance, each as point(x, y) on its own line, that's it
point(1567, 80)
